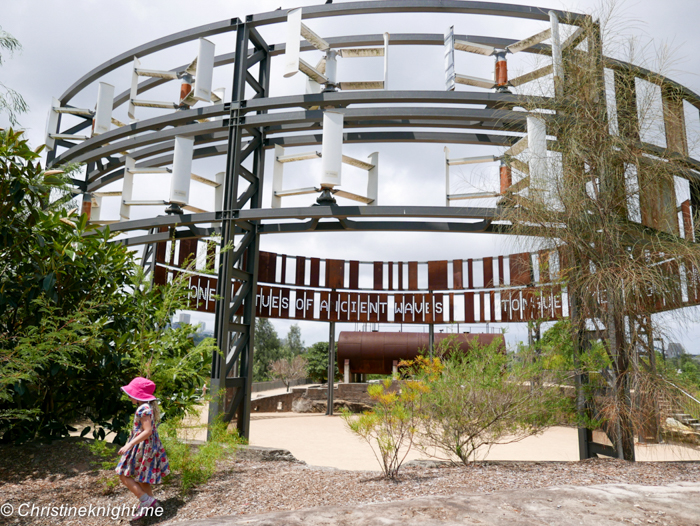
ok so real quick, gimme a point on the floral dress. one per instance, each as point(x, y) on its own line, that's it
point(146, 461)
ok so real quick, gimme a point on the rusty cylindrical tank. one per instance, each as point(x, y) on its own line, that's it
point(375, 352)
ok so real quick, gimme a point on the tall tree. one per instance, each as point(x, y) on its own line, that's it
point(293, 341)
point(590, 200)
point(268, 349)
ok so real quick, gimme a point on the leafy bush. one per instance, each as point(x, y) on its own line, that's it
point(475, 400)
point(391, 425)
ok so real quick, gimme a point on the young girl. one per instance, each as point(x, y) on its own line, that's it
point(143, 460)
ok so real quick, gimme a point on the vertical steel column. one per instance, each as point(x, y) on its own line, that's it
point(331, 368)
point(235, 310)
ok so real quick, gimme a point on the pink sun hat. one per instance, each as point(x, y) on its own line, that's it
point(140, 389)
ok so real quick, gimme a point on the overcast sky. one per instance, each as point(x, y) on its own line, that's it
point(62, 40)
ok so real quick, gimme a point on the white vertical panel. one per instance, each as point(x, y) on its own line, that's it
point(386, 61)
point(127, 188)
point(537, 143)
point(332, 66)
point(450, 76)
point(277, 177)
point(447, 176)
point(182, 170)
point(131, 111)
point(96, 208)
point(219, 192)
point(373, 179)
point(52, 124)
point(557, 63)
point(103, 110)
point(205, 70)
point(332, 148)
point(293, 47)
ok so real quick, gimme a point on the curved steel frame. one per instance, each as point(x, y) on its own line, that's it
point(244, 128)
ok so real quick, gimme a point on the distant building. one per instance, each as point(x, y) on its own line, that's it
point(184, 318)
point(675, 350)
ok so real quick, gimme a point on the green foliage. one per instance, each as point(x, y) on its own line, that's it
point(484, 397)
point(293, 342)
point(268, 349)
point(77, 318)
point(391, 426)
point(317, 362)
point(195, 465)
point(107, 457)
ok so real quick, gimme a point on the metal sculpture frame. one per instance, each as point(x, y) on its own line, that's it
point(245, 127)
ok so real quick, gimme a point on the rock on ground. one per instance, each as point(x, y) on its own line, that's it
point(601, 505)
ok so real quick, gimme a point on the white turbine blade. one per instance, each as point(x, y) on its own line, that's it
point(519, 165)
point(367, 84)
point(218, 94)
point(354, 197)
point(472, 160)
point(308, 70)
point(332, 149)
point(182, 170)
point(192, 68)
point(529, 77)
point(321, 66)
point(103, 110)
point(530, 41)
point(75, 111)
point(293, 44)
point(517, 148)
point(52, 124)
point(204, 180)
point(131, 110)
point(474, 81)
point(313, 39)
point(557, 61)
point(205, 70)
point(472, 47)
point(169, 75)
point(361, 52)
point(537, 144)
point(450, 59)
point(386, 62)
point(357, 163)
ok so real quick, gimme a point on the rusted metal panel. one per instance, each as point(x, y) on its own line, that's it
point(315, 271)
point(452, 307)
point(304, 305)
point(188, 252)
point(470, 273)
point(438, 311)
point(390, 270)
point(272, 302)
point(354, 275)
point(412, 275)
point(326, 301)
point(437, 275)
point(457, 282)
point(626, 102)
point(482, 306)
point(501, 278)
point(469, 307)
point(202, 292)
point(520, 269)
point(687, 220)
point(488, 272)
point(378, 275)
point(283, 270)
point(375, 352)
point(400, 265)
point(492, 304)
point(657, 202)
point(335, 273)
point(674, 120)
point(267, 267)
point(300, 270)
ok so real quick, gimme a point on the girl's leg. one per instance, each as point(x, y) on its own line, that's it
point(146, 487)
point(133, 486)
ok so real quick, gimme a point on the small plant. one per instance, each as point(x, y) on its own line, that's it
point(197, 464)
point(107, 456)
point(391, 425)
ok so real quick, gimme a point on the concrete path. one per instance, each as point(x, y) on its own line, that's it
point(321, 440)
point(602, 505)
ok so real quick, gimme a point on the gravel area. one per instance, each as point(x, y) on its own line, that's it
point(64, 474)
